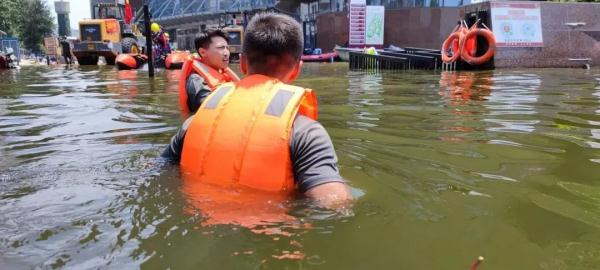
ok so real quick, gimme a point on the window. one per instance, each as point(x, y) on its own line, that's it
point(235, 38)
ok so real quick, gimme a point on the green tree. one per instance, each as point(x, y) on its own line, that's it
point(35, 23)
point(9, 16)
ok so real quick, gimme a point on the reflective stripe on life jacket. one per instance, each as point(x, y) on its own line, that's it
point(212, 77)
point(240, 134)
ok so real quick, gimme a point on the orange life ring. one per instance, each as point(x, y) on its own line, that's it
point(456, 49)
point(450, 45)
point(469, 56)
point(175, 60)
point(470, 45)
point(127, 61)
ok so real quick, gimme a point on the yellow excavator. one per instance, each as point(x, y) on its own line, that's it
point(235, 31)
point(236, 38)
point(107, 35)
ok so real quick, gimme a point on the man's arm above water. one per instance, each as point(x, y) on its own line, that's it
point(315, 164)
point(331, 195)
point(175, 147)
point(197, 92)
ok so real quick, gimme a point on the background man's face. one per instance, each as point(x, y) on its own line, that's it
point(217, 53)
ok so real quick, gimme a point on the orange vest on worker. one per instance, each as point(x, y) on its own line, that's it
point(212, 77)
point(240, 134)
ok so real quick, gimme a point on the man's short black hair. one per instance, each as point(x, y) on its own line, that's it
point(205, 38)
point(272, 35)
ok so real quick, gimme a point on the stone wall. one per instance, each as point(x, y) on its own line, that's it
point(419, 27)
point(561, 42)
point(428, 27)
point(332, 29)
point(411, 27)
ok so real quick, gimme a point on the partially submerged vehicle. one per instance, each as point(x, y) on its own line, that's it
point(107, 35)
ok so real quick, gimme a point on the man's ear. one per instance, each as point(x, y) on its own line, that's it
point(294, 73)
point(202, 52)
point(244, 64)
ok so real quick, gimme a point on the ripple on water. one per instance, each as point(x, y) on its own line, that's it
point(499, 163)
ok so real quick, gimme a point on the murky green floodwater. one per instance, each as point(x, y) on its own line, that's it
point(504, 164)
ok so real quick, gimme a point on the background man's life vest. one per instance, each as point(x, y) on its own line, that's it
point(212, 77)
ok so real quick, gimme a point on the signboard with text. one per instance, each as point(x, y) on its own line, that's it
point(357, 20)
point(366, 24)
point(517, 24)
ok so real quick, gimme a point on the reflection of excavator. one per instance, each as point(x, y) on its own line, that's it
point(107, 35)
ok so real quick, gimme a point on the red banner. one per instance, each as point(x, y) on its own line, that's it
point(128, 12)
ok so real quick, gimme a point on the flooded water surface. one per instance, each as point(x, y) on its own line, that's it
point(503, 164)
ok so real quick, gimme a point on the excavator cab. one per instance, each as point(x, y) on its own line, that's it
point(106, 35)
point(235, 32)
point(109, 11)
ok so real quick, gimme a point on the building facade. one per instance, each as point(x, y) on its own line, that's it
point(62, 14)
point(185, 19)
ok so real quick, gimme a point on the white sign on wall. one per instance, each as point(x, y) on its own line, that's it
point(517, 24)
point(374, 25)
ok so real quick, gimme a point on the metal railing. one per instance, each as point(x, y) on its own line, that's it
point(369, 62)
point(162, 9)
point(396, 60)
point(404, 59)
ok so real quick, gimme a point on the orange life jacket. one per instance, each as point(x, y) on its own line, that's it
point(240, 134)
point(212, 78)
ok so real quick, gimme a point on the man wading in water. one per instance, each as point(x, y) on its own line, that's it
point(261, 132)
point(202, 75)
point(66, 50)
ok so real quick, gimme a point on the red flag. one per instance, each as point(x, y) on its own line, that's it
point(128, 12)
